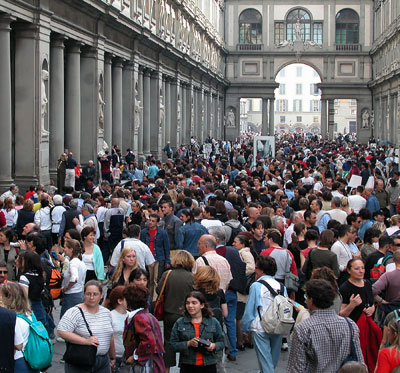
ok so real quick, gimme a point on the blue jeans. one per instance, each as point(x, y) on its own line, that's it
point(393, 209)
point(69, 301)
point(230, 321)
point(21, 366)
point(268, 349)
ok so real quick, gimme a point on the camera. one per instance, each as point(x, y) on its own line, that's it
point(203, 342)
point(14, 244)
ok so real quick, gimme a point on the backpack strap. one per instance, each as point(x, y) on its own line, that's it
point(205, 260)
point(269, 287)
point(24, 317)
point(84, 319)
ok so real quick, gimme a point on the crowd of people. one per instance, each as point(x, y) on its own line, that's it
point(212, 242)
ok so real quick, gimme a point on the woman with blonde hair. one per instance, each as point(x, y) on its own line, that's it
point(395, 227)
point(10, 213)
point(344, 205)
point(14, 299)
point(124, 271)
point(178, 284)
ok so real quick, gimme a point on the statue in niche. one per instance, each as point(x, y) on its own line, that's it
point(297, 30)
point(138, 109)
point(44, 102)
point(178, 114)
point(230, 119)
point(372, 119)
point(101, 110)
point(162, 112)
point(365, 119)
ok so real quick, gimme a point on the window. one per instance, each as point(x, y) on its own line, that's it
point(347, 27)
point(282, 73)
point(299, 71)
point(281, 105)
point(282, 119)
point(314, 89)
point(315, 106)
point(299, 119)
point(279, 32)
point(250, 27)
point(282, 89)
point(353, 102)
point(352, 126)
point(305, 25)
point(297, 105)
point(317, 32)
point(299, 89)
point(315, 119)
point(353, 111)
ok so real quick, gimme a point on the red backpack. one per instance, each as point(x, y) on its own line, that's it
point(379, 269)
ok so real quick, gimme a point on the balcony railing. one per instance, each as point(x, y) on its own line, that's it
point(348, 47)
point(250, 47)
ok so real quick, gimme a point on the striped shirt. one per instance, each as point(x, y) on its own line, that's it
point(100, 324)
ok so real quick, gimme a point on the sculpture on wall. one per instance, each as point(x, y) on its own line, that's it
point(101, 108)
point(138, 109)
point(372, 119)
point(162, 111)
point(297, 30)
point(178, 115)
point(365, 119)
point(230, 119)
point(44, 102)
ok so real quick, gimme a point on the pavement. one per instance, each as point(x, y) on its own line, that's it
point(246, 360)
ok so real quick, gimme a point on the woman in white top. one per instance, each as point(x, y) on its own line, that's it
point(118, 307)
point(10, 213)
point(14, 299)
point(73, 329)
point(43, 221)
point(74, 276)
point(92, 256)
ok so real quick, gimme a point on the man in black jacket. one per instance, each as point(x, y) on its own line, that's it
point(237, 284)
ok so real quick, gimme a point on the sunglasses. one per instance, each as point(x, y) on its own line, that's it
point(4, 272)
point(397, 244)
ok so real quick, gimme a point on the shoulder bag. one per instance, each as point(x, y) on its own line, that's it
point(292, 281)
point(81, 356)
point(159, 305)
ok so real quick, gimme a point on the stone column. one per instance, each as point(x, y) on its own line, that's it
point(184, 121)
point(89, 104)
point(264, 125)
point(271, 130)
point(174, 89)
point(146, 112)
point(331, 118)
point(137, 108)
point(117, 102)
point(73, 100)
point(154, 112)
point(202, 112)
point(127, 106)
point(108, 99)
point(167, 131)
point(56, 124)
point(140, 99)
point(324, 119)
point(5, 102)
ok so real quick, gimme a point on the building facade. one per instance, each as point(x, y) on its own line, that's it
point(86, 74)
point(332, 37)
point(385, 84)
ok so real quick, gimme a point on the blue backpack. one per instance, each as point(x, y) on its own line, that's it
point(38, 352)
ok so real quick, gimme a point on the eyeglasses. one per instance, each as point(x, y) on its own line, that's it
point(397, 244)
point(4, 272)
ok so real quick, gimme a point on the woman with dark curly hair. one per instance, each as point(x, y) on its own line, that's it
point(197, 336)
point(142, 337)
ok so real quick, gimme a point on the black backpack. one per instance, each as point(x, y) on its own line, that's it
point(235, 232)
point(214, 301)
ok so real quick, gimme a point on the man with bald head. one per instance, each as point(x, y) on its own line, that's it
point(253, 214)
point(208, 256)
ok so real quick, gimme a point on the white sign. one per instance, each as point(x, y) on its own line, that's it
point(370, 182)
point(355, 181)
point(264, 147)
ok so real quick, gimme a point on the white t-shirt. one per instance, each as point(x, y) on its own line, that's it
point(118, 324)
point(75, 272)
point(143, 254)
point(21, 335)
point(307, 180)
point(356, 203)
point(88, 260)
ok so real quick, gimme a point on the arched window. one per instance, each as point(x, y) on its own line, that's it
point(250, 27)
point(305, 23)
point(347, 27)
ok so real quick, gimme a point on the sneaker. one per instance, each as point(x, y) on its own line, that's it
point(59, 339)
point(285, 346)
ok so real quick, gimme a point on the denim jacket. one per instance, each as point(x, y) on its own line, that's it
point(161, 244)
point(188, 236)
point(183, 331)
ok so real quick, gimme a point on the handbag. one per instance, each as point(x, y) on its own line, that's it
point(159, 305)
point(292, 281)
point(81, 356)
point(352, 356)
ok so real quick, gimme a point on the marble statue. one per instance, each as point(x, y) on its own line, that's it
point(138, 109)
point(44, 102)
point(101, 111)
point(297, 29)
point(162, 111)
point(178, 114)
point(230, 119)
point(372, 119)
point(365, 119)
